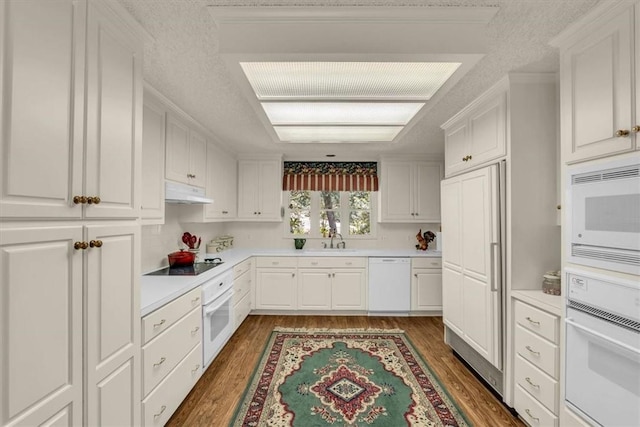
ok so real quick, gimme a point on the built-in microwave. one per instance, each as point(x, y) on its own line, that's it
point(604, 214)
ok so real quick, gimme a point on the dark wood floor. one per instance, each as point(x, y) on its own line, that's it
point(214, 398)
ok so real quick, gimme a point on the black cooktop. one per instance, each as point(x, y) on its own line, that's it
point(191, 270)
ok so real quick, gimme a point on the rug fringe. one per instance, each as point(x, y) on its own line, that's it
point(338, 331)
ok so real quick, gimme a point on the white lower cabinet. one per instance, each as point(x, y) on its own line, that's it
point(276, 283)
point(242, 291)
point(171, 356)
point(426, 285)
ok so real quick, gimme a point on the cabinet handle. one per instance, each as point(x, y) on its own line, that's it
point(156, 416)
point(79, 200)
point(195, 330)
point(415, 275)
point(635, 129)
point(333, 275)
point(532, 351)
point(622, 133)
point(559, 207)
point(195, 300)
point(275, 262)
point(348, 263)
point(412, 214)
point(328, 274)
point(194, 370)
point(259, 213)
point(534, 322)
point(314, 263)
point(255, 213)
point(162, 359)
point(531, 383)
point(531, 416)
point(417, 214)
point(162, 322)
point(95, 200)
point(225, 212)
point(95, 243)
point(80, 245)
point(293, 274)
point(470, 157)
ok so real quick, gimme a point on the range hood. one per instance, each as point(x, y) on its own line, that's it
point(185, 194)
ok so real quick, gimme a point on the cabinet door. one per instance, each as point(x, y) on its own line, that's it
point(426, 290)
point(451, 190)
point(427, 191)
point(487, 131)
point(248, 180)
point(152, 210)
point(349, 289)
point(397, 199)
point(197, 159)
point(275, 289)
point(41, 337)
point(452, 314)
point(314, 289)
point(596, 91)
point(42, 48)
point(230, 184)
point(112, 295)
point(177, 151)
point(114, 117)
point(456, 148)
point(270, 190)
point(221, 184)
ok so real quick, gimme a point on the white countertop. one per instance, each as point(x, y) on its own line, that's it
point(156, 291)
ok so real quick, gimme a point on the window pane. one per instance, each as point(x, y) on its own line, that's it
point(329, 199)
point(300, 200)
point(299, 222)
point(360, 200)
point(359, 222)
point(329, 221)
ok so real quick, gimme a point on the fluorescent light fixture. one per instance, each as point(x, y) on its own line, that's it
point(326, 113)
point(335, 134)
point(347, 80)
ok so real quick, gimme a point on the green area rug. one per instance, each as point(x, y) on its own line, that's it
point(309, 378)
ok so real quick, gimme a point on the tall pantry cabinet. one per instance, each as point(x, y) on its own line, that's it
point(71, 74)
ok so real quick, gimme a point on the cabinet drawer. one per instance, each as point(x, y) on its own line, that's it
point(426, 263)
point(537, 350)
point(241, 287)
point(537, 384)
point(161, 355)
point(538, 321)
point(531, 411)
point(243, 267)
point(161, 319)
point(158, 407)
point(278, 262)
point(241, 310)
point(332, 262)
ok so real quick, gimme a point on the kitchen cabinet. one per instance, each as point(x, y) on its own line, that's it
point(598, 72)
point(186, 152)
point(222, 185)
point(242, 290)
point(171, 356)
point(260, 190)
point(50, 169)
point(426, 285)
point(410, 191)
point(477, 134)
point(276, 283)
point(153, 137)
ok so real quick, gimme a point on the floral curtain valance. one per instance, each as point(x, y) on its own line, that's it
point(330, 176)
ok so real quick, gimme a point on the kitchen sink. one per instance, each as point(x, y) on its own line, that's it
point(328, 250)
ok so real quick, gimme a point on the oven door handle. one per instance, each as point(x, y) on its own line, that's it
point(634, 351)
point(208, 310)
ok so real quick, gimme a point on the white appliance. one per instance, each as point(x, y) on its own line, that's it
point(178, 193)
point(390, 286)
point(217, 315)
point(603, 348)
point(472, 263)
point(605, 215)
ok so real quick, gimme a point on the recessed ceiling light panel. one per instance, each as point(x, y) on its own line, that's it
point(327, 113)
point(336, 134)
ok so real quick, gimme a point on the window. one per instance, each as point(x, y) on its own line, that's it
point(317, 213)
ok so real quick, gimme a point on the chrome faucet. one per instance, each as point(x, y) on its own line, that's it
point(337, 244)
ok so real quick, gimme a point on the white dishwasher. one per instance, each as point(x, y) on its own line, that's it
point(389, 286)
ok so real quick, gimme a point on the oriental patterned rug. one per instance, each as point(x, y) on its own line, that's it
point(313, 378)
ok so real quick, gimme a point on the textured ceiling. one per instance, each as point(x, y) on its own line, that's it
point(182, 62)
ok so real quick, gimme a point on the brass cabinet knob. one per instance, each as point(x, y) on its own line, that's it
point(80, 245)
point(559, 207)
point(79, 200)
point(622, 133)
point(93, 200)
point(95, 243)
point(635, 129)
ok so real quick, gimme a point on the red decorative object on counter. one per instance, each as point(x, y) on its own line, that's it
point(181, 258)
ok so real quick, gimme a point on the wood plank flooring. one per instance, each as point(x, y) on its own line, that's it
point(213, 400)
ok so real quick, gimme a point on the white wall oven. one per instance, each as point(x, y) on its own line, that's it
point(604, 214)
point(603, 349)
point(217, 315)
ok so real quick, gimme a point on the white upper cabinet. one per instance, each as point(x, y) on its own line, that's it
point(222, 185)
point(153, 131)
point(260, 190)
point(597, 100)
point(186, 149)
point(410, 191)
point(477, 134)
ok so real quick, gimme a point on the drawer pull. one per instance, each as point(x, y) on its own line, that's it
point(348, 263)
point(275, 263)
point(162, 322)
point(532, 351)
point(162, 359)
point(531, 416)
point(314, 263)
point(195, 300)
point(533, 322)
point(195, 330)
point(194, 370)
point(532, 384)
point(162, 409)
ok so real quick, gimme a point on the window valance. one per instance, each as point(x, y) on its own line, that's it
point(330, 176)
